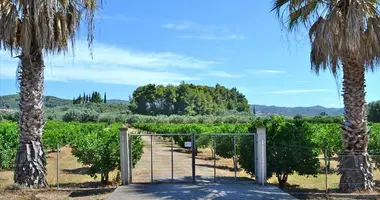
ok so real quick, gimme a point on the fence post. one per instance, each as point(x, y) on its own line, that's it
point(57, 166)
point(260, 155)
point(194, 149)
point(124, 156)
point(327, 189)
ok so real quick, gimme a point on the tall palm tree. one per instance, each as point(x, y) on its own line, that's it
point(31, 28)
point(344, 35)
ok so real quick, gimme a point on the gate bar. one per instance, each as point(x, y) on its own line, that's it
point(151, 158)
point(193, 155)
point(235, 156)
point(214, 159)
point(172, 162)
point(186, 134)
point(131, 159)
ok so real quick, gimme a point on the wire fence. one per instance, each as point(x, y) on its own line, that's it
point(65, 171)
point(327, 178)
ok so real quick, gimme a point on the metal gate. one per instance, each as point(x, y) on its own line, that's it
point(165, 161)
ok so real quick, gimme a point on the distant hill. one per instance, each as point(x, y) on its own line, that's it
point(293, 111)
point(11, 101)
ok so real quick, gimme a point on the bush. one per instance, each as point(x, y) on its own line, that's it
point(81, 116)
point(8, 144)
point(101, 151)
point(289, 149)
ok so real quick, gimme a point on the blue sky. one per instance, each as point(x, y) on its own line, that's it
point(234, 43)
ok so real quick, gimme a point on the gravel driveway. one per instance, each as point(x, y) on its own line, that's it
point(231, 191)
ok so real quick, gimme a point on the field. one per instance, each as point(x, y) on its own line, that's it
point(75, 169)
point(72, 175)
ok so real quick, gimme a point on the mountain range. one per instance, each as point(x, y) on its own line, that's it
point(11, 102)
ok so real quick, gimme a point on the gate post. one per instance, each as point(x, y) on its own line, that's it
point(260, 156)
point(124, 156)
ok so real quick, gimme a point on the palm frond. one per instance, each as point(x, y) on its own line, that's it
point(52, 24)
point(338, 29)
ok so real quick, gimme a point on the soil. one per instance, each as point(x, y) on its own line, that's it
point(182, 165)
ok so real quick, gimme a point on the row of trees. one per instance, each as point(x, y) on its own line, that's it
point(186, 99)
point(95, 97)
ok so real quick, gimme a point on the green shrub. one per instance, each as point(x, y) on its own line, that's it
point(8, 144)
point(289, 149)
point(81, 116)
point(101, 151)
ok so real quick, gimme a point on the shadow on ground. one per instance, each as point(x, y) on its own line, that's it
point(81, 170)
point(232, 191)
point(218, 167)
point(89, 184)
point(85, 193)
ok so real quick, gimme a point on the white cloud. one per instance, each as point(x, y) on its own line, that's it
point(180, 26)
point(262, 71)
point(212, 37)
point(111, 55)
point(113, 65)
point(203, 32)
point(222, 74)
point(297, 91)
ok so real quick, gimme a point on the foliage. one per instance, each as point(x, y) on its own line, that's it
point(8, 144)
point(224, 144)
point(289, 149)
point(100, 150)
point(321, 119)
point(81, 116)
point(186, 99)
point(93, 144)
point(61, 133)
point(296, 155)
point(138, 148)
point(374, 143)
point(327, 137)
point(10, 115)
point(374, 111)
point(95, 97)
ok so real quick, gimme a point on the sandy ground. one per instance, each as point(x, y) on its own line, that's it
point(182, 165)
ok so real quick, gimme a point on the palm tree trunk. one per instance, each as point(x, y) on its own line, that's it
point(355, 166)
point(30, 170)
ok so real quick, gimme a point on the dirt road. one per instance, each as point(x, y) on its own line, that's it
point(182, 165)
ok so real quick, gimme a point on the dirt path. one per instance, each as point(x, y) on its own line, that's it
point(182, 164)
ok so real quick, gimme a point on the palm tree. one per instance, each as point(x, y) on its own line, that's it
point(344, 35)
point(31, 28)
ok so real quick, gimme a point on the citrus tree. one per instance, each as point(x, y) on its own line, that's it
point(344, 36)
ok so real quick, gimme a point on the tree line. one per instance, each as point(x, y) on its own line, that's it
point(186, 99)
point(95, 97)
